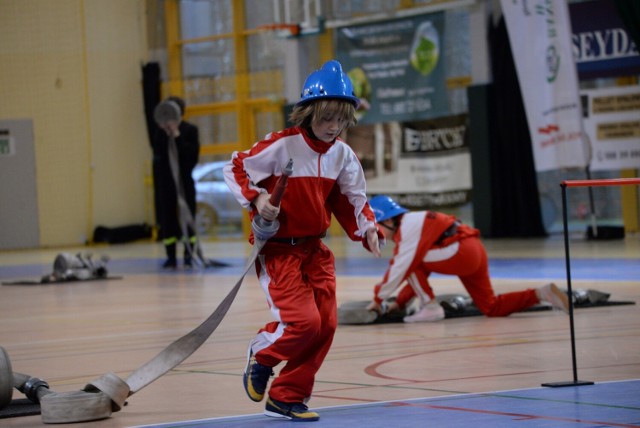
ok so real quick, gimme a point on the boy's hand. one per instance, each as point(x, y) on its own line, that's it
point(171, 128)
point(383, 308)
point(372, 241)
point(264, 207)
point(392, 307)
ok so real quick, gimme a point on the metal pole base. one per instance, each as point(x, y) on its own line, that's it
point(568, 383)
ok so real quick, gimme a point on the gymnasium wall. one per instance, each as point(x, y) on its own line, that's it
point(74, 68)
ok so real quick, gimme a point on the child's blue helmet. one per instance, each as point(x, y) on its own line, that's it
point(328, 82)
point(384, 208)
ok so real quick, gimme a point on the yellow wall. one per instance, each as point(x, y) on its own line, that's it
point(74, 67)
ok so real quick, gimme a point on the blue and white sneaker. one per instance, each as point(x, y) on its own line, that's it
point(295, 412)
point(255, 378)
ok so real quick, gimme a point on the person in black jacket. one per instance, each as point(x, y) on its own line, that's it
point(168, 213)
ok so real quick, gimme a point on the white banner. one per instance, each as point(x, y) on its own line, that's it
point(424, 164)
point(433, 174)
point(540, 38)
point(612, 123)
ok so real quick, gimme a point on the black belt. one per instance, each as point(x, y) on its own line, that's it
point(451, 230)
point(297, 241)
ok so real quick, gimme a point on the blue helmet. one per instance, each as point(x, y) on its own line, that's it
point(384, 208)
point(328, 82)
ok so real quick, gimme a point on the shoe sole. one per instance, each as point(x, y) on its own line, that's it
point(559, 299)
point(245, 379)
point(289, 418)
point(277, 415)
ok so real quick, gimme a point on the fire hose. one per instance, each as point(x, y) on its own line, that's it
point(109, 393)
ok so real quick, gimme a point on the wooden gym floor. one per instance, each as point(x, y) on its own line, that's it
point(457, 372)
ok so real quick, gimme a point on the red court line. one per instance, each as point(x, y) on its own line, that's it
point(373, 369)
point(601, 182)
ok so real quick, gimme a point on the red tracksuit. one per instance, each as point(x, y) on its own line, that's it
point(416, 255)
point(299, 280)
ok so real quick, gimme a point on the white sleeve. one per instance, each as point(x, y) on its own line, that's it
point(410, 232)
point(257, 166)
point(236, 189)
point(353, 185)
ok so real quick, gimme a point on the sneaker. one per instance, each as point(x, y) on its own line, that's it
point(430, 312)
point(296, 412)
point(550, 293)
point(255, 378)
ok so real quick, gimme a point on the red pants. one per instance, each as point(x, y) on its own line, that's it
point(470, 264)
point(300, 284)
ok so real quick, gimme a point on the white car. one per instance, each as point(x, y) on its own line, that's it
point(215, 205)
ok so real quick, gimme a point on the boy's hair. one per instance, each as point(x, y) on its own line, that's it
point(311, 112)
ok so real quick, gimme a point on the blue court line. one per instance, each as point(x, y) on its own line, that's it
point(523, 268)
point(607, 404)
point(519, 268)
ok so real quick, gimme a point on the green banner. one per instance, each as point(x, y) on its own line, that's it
point(396, 67)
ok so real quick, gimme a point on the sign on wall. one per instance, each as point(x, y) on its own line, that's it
point(612, 124)
point(424, 164)
point(409, 144)
point(396, 67)
point(540, 39)
point(602, 46)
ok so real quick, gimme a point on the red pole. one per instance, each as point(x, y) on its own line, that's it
point(601, 182)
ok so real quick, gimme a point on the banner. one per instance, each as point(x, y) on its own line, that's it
point(396, 67)
point(540, 38)
point(612, 125)
point(602, 45)
point(424, 164)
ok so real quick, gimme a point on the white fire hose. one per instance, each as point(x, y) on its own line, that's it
point(108, 394)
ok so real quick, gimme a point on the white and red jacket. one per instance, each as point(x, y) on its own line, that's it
point(425, 243)
point(415, 244)
point(327, 178)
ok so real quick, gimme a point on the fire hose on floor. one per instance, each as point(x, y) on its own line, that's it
point(108, 394)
